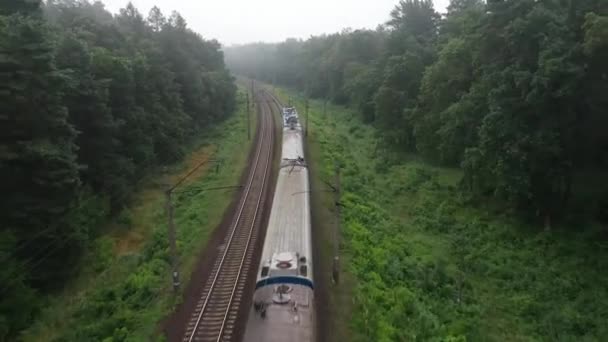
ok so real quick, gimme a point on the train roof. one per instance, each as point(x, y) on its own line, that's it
point(289, 224)
point(292, 144)
point(284, 296)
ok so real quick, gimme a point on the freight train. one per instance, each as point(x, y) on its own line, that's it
point(283, 303)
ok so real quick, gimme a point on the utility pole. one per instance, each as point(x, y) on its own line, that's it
point(248, 120)
point(336, 261)
point(171, 224)
point(306, 109)
point(172, 243)
point(249, 111)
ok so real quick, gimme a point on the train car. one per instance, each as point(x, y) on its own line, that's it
point(290, 118)
point(283, 308)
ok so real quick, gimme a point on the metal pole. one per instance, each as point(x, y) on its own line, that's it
point(248, 120)
point(325, 108)
point(171, 225)
point(172, 243)
point(306, 107)
point(336, 261)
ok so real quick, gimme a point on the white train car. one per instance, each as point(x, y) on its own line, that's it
point(290, 118)
point(284, 296)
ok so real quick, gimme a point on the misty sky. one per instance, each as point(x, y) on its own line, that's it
point(244, 21)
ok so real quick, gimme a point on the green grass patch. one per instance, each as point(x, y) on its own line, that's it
point(424, 263)
point(123, 289)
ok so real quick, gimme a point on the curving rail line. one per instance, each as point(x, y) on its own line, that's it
point(274, 99)
point(214, 318)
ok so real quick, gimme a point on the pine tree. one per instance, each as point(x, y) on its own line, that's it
point(156, 19)
point(24, 7)
point(38, 160)
point(38, 164)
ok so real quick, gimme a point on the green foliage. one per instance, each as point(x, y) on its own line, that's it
point(103, 254)
point(89, 103)
point(38, 162)
point(511, 91)
point(124, 294)
point(19, 300)
point(596, 31)
point(8, 7)
point(430, 267)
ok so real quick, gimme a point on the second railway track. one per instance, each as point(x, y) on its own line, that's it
point(216, 313)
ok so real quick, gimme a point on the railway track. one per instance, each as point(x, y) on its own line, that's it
point(274, 99)
point(215, 316)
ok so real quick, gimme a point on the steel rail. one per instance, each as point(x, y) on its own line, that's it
point(250, 232)
point(266, 137)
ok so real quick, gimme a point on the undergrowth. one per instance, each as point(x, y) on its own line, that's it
point(121, 294)
point(428, 264)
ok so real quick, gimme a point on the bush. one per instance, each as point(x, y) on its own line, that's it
point(431, 266)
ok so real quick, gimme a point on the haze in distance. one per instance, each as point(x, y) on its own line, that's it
point(244, 21)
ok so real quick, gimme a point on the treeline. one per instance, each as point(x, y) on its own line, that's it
point(89, 103)
point(511, 91)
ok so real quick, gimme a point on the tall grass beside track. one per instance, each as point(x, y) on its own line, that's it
point(123, 288)
point(423, 263)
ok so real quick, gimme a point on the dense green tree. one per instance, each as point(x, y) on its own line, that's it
point(156, 19)
point(413, 26)
point(38, 163)
point(410, 48)
point(449, 109)
point(360, 85)
point(440, 117)
point(24, 7)
point(511, 91)
point(89, 103)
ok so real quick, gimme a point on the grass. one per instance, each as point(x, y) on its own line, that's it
point(123, 288)
point(424, 262)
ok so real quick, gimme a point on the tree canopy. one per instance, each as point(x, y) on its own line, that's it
point(89, 102)
point(510, 91)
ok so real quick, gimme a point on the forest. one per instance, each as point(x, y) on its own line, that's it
point(508, 96)
point(90, 103)
point(473, 155)
point(512, 92)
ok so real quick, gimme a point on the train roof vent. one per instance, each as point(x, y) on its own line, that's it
point(285, 256)
point(284, 264)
